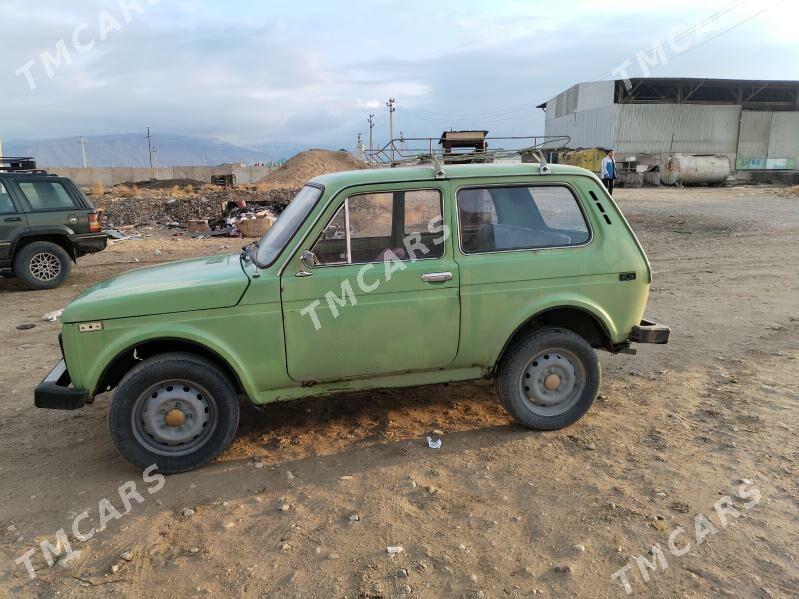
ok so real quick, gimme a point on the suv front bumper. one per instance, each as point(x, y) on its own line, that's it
point(649, 332)
point(55, 393)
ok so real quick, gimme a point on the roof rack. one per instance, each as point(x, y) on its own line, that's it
point(409, 151)
point(20, 164)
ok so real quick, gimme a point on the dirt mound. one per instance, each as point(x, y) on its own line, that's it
point(307, 165)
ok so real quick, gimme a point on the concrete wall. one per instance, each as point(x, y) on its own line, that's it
point(784, 136)
point(114, 175)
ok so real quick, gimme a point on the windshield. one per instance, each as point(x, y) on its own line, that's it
point(276, 238)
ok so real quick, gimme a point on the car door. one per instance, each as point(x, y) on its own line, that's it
point(381, 296)
point(13, 223)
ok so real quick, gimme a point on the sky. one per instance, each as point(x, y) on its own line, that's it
point(255, 72)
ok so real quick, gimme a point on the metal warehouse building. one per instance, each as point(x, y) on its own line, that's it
point(754, 123)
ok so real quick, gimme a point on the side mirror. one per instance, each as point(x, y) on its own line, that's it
point(307, 260)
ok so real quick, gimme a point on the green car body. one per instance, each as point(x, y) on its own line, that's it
point(381, 329)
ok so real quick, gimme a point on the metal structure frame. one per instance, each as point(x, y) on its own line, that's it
point(425, 149)
point(768, 95)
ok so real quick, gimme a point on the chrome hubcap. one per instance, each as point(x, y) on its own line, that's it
point(552, 382)
point(174, 417)
point(45, 266)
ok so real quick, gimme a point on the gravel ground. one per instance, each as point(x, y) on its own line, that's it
point(311, 494)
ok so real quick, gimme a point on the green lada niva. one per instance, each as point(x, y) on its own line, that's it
point(369, 279)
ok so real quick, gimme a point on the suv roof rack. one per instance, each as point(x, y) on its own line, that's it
point(409, 151)
point(20, 164)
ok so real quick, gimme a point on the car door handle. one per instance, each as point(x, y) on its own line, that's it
point(13, 219)
point(436, 277)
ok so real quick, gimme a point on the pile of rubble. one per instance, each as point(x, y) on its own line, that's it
point(211, 212)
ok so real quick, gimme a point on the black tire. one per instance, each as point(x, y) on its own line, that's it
point(42, 265)
point(200, 389)
point(531, 369)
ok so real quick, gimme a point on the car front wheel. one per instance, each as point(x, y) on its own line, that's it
point(549, 379)
point(177, 410)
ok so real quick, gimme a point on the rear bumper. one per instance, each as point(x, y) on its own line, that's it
point(649, 332)
point(89, 243)
point(54, 392)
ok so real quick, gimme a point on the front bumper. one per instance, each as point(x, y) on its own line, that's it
point(649, 332)
point(54, 392)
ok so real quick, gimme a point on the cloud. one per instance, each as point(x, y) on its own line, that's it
point(311, 72)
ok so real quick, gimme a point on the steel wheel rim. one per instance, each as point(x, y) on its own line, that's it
point(552, 382)
point(44, 266)
point(157, 427)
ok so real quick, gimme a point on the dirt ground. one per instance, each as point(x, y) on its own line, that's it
point(498, 510)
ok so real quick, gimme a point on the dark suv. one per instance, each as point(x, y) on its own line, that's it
point(46, 223)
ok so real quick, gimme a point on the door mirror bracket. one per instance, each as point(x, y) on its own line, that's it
point(307, 260)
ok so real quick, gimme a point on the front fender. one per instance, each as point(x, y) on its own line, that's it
point(249, 341)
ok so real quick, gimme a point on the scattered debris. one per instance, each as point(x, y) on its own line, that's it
point(53, 316)
point(25, 326)
point(433, 444)
point(394, 549)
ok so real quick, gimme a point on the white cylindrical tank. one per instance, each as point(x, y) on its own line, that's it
point(695, 169)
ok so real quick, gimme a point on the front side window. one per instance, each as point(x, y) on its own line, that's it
point(495, 219)
point(46, 195)
point(371, 227)
point(6, 205)
point(284, 228)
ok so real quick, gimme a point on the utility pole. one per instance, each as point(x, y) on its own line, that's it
point(150, 152)
point(82, 143)
point(371, 121)
point(391, 110)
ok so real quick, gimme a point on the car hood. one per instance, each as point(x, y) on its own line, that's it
point(198, 284)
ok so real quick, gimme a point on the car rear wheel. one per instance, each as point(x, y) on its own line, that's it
point(549, 379)
point(178, 411)
point(42, 265)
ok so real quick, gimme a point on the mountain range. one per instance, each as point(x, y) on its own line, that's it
point(130, 149)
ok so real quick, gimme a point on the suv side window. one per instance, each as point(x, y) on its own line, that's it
point(369, 225)
point(46, 195)
point(495, 219)
point(6, 205)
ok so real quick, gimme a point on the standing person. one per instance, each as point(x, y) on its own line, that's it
point(609, 171)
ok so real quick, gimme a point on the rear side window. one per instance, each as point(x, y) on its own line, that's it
point(46, 195)
point(495, 219)
point(6, 205)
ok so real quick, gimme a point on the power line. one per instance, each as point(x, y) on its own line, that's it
point(520, 110)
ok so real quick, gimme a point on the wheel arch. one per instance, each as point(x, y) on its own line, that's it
point(126, 359)
point(580, 320)
point(59, 239)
